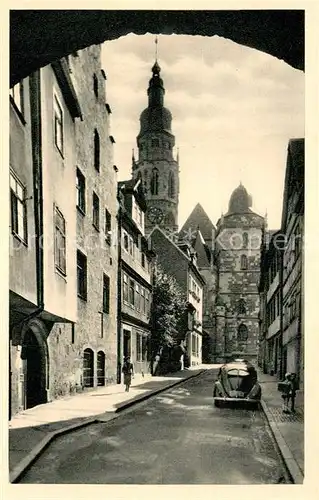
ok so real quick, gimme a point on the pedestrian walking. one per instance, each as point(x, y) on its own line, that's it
point(128, 371)
point(288, 388)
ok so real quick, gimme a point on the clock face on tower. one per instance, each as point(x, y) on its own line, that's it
point(155, 215)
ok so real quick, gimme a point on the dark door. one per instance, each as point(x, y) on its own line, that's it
point(126, 343)
point(35, 372)
point(100, 368)
point(88, 368)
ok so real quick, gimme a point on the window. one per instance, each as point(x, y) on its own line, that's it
point(96, 150)
point(16, 94)
point(18, 208)
point(106, 294)
point(58, 124)
point(143, 259)
point(241, 306)
point(95, 85)
point(137, 297)
point(142, 298)
point(80, 186)
point(96, 211)
point(147, 302)
point(242, 333)
point(155, 143)
point(138, 347)
point(59, 241)
point(154, 181)
point(131, 292)
point(144, 348)
point(245, 240)
point(125, 241)
point(131, 246)
point(243, 262)
point(125, 288)
point(82, 275)
point(171, 185)
point(108, 226)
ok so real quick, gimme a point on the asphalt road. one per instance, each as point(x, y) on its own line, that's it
point(177, 437)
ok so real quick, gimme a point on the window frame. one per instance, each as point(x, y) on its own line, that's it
point(81, 290)
point(96, 211)
point(108, 226)
point(59, 234)
point(17, 201)
point(58, 123)
point(81, 191)
point(106, 293)
point(243, 262)
point(97, 150)
point(18, 103)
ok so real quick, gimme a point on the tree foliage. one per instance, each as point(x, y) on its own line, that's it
point(168, 311)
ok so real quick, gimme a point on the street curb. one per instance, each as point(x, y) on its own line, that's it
point(32, 456)
point(292, 467)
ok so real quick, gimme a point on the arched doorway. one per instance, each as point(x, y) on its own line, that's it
point(88, 368)
point(100, 368)
point(35, 370)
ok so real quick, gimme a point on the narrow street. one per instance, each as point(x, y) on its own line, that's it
point(177, 437)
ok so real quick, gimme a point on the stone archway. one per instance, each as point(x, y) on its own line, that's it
point(35, 356)
point(34, 42)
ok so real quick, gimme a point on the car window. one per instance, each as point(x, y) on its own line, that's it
point(237, 373)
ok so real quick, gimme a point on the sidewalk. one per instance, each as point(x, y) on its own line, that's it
point(288, 429)
point(33, 429)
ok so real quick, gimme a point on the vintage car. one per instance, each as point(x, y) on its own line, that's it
point(237, 382)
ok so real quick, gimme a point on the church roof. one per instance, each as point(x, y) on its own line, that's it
point(198, 219)
point(202, 250)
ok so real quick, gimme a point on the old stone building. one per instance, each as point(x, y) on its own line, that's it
point(63, 259)
point(135, 278)
point(229, 260)
point(156, 164)
point(43, 110)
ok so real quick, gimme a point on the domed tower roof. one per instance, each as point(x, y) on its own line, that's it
point(240, 201)
point(155, 118)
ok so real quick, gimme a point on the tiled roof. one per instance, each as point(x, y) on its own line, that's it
point(198, 219)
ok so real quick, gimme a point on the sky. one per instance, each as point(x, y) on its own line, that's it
point(234, 110)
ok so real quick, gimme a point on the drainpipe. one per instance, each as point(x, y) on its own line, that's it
point(36, 130)
point(281, 294)
point(119, 295)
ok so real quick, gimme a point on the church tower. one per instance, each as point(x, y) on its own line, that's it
point(238, 248)
point(156, 166)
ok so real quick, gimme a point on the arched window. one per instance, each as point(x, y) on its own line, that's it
point(243, 262)
point(100, 368)
point(242, 334)
point(88, 368)
point(171, 185)
point(96, 150)
point(154, 181)
point(245, 240)
point(241, 308)
point(145, 182)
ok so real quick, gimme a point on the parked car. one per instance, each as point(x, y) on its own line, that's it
point(237, 382)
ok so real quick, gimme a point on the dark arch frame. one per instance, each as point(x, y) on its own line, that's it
point(34, 42)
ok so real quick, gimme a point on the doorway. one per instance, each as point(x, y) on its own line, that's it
point(126, 343)
point(100, 368)
point(35, 375)
point(88, 368)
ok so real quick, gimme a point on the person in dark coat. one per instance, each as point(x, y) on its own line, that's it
point(128, 371)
